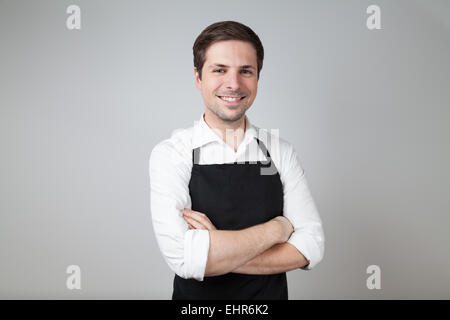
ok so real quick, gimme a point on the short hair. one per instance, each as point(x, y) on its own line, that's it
point(221, 31)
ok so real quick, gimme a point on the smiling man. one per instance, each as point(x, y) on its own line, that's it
point(227, 228)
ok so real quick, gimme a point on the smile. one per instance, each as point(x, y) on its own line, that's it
point(231, 100)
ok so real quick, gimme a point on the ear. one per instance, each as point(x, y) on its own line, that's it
point(198, 82)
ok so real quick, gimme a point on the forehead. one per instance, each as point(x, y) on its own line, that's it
point(231, 52)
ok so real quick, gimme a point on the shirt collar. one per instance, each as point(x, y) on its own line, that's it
point(203, 134)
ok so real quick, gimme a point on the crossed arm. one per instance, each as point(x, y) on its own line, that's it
point(253, 250)
point(261, 249)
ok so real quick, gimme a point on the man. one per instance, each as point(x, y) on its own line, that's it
point(227, 225)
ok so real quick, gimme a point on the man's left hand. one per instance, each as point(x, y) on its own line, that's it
point(197, 220)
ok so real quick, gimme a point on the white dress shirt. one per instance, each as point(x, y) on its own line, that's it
point(170, 164)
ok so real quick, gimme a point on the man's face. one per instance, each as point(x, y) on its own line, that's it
point(229, 73)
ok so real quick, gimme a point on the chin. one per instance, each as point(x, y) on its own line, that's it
point(232, 115)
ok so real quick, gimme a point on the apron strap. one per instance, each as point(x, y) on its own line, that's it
point(196, 155)
point(265, 152)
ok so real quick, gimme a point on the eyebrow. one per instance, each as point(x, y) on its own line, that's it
point(246, 66)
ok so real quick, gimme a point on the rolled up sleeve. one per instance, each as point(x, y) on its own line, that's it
point(299, 207)
point(185, 251)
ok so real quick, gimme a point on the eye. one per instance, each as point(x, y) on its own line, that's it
point(247, 71)
point(218, 70)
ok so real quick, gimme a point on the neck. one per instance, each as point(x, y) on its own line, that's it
point(232, 133)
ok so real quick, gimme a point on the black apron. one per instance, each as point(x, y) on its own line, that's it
point(234, 196)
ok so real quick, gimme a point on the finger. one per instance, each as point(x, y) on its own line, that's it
point(200, 217)
point(193, 215)
point(195, 223)
point(190, 226)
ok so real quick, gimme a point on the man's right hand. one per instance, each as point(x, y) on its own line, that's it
point(286, 228)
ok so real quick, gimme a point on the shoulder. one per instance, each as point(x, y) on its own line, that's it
point(282, 152)
point(175, 150)
point(276, 145)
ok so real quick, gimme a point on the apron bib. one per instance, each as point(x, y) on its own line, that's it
point(234, 196)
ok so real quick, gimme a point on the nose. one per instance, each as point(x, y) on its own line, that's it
point(232, 80)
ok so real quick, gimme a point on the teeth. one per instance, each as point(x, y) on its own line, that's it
point(230, 98)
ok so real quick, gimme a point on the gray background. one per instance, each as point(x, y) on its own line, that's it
point(367, 111)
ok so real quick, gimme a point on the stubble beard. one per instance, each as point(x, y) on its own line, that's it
point(218, 111)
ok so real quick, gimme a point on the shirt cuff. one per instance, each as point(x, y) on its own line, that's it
point(196, 248)
point(309, 247)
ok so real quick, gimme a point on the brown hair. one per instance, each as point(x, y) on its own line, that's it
point(225, 30)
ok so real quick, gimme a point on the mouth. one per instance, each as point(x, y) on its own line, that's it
point(231, 100)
